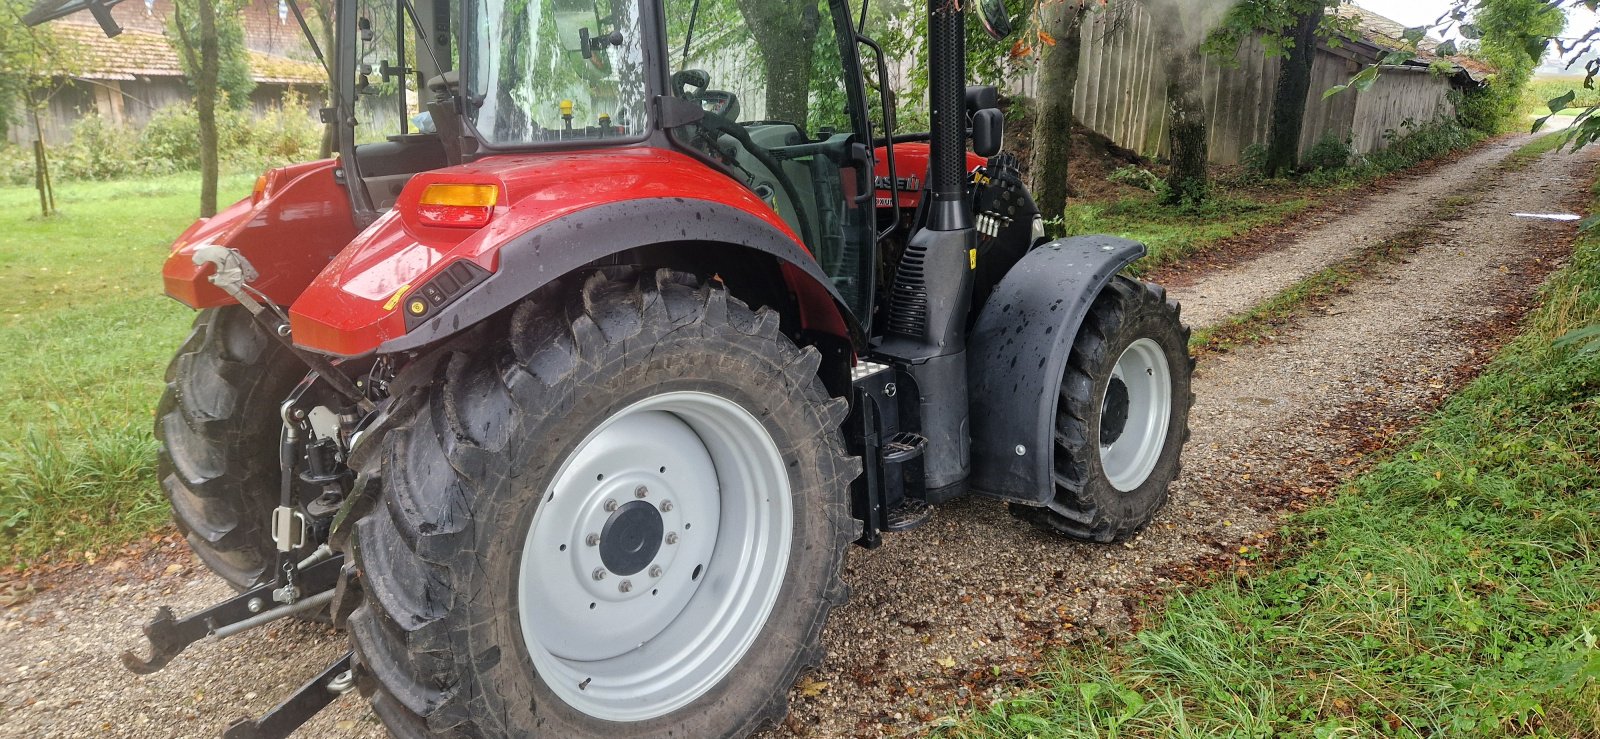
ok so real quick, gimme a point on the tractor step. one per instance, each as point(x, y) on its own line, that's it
point(904, 447)
point(910, 514)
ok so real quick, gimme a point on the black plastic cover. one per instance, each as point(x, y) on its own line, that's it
point(1018, 353)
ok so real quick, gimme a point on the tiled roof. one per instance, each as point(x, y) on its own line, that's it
point(1387, 33)
point(135, 54)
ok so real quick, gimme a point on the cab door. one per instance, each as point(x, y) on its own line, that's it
point(785, 116)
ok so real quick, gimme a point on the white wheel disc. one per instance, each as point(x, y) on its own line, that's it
point(1134, 414)
point(656, 556)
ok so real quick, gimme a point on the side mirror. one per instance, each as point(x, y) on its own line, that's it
point(988, 132)
point(996, 18)
point(982, 97)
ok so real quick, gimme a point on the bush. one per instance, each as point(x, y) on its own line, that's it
point(1330, 152)
point(170, 142)
point(1136, 176)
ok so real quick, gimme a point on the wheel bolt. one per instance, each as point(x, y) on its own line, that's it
point(655, 570)
point(611, 505)
point(592, 540)
point(672, 537)
point(599, 573)
point(666, 505)
point(641, 491)
point(625, 586)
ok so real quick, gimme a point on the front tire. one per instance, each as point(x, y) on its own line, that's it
point(1123, 415)
point(651, 431)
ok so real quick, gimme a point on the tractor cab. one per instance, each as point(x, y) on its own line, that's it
point(775, 105)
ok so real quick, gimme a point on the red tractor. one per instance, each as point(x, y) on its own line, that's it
point(566, 396)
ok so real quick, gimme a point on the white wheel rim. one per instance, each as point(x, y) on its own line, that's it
point(1134, 412)
point(688, 616)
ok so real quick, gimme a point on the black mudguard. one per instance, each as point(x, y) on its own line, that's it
point(541, 256)
point(1017, 354)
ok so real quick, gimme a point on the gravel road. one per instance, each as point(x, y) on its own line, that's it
point(972, 602)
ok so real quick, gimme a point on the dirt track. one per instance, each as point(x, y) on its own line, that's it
point(973, 600)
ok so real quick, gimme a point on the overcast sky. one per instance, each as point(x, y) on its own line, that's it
point(1425, 12)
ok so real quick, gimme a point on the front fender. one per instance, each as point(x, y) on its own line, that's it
point(1018, 352)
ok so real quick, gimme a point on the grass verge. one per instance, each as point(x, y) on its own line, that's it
point(87, 333)
point(1448, 592)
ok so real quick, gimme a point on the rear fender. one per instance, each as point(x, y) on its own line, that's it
point(705, 237)
point(1018, 353)
point(301, 221)
point(402, 284)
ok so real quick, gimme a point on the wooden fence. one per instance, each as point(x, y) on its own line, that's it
point(1122, 91)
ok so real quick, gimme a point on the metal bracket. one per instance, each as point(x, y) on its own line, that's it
point(169, 635)
point(298, 708)
point(288, 528)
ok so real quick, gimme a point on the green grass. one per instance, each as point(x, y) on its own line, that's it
point(1451, 591)
point(1173, 233)
point(1537, 95)
point(86, 334)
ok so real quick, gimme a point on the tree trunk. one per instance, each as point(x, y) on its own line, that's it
point(205, 103)
point(788, 41)
point(1188, 182)
point(1058, 84)
point(1289, 101)
point(330, 131)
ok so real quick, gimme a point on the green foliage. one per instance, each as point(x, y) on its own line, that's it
point(30, 59)
point(1404, 148)
point(1172, 233)
point(169, 143)
point(1135, 176)
point(1449, 592)
point(1330, 152)
point(87, 333)
point(233, 74)
point(1514, 35)
point(1274, 21)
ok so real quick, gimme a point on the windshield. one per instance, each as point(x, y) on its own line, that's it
point(555, 70)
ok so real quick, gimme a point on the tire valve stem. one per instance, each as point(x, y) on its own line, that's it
point(585, 684)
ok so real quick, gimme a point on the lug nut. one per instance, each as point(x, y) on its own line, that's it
point(641, 491)
point(592, 540)
point(672, 537)
point(611, 505)
point(599, 573)
point(655, 570)
point(625, 586)
point(666, 505)
point(255, 605)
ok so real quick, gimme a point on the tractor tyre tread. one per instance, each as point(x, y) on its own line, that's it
point(217, 426)
point(1085, 506)
point(415, 549)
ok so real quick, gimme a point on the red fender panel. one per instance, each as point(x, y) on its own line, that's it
point(359, 302)
point(300, 222)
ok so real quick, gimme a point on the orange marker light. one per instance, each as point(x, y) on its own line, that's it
point(456, 205)
point(259, 190)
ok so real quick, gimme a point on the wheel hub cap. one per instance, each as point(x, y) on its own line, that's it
point(631, 538)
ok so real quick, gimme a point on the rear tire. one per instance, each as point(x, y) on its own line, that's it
point(477, 565)
point(218, 425)
point(1122, 416)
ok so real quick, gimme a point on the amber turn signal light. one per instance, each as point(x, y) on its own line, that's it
point(456, 205)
